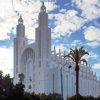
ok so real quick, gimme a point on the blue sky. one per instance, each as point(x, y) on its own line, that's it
point(74, 23)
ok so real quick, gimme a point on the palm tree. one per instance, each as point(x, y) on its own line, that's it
point(77, 56)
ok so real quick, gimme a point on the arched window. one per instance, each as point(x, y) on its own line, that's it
point(28, 59)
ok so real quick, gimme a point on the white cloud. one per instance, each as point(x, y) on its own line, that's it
point(92, 34)
point(91, 55)
point(67, 23)
point(32, 5)
point(93, 44)
point(96, 66)
point(62, 11)
point(90, 8)
point(7, 19)
point(6, 60)
point(10, 9)
point(74, 44)
point(77, 43)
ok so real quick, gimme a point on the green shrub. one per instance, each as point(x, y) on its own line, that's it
point(83, 98)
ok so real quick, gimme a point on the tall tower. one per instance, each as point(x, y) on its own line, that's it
point(19, 44)
point(43, 35)
point(43, 49)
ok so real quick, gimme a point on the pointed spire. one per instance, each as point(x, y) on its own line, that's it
point(54, 50)
point(64, 53)
point(59, 52)
point(43, 8)
point(95, 73)
point(20, 20)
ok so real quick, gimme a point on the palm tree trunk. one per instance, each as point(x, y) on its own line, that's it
point(77, 82)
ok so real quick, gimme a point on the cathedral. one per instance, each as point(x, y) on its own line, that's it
point(47, 71)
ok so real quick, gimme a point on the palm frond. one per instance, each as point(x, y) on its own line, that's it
point(70, 56)
point(83, 60)
point(82, 52)
point(77, 54)
point(81, 48)
point(72, 50)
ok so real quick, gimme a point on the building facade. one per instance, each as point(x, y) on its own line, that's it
point(46, 71)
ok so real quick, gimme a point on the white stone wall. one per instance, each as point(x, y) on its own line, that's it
point(88, 84)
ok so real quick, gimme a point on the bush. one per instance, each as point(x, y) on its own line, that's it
point(83, 98)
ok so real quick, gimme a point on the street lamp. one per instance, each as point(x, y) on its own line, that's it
point(62, 78)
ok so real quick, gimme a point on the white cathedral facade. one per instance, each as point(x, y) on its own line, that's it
point(47, 71)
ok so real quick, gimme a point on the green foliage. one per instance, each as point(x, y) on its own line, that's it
point(10, 92)
point(54, 96)
point(18, 89)
point(83, 98)
point(6, 85)
point(43, 96)
point(77, 55)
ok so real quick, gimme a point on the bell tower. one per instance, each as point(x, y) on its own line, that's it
point(43, 49)
point(19, 44)
point(43, 35)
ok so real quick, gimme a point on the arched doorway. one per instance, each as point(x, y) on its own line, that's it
point(28, 59)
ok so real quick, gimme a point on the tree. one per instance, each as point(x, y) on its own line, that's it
point(18, 89)
point(1, 78)
point(7, 85)
point(77, 56)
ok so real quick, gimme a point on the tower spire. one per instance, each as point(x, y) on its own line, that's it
point(20, 20)
point(43, 16)
point(43, 8)
point(20, 28)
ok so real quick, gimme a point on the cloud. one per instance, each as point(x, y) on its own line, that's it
point(92, 34)
point(91, 55)
point(90, 8)
point(6, 60)
point(96, 66)
point(62, 11)
point(10, 11)
point(77, 43)
point(67, 23)
point(7, 19)
point(93, 44)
